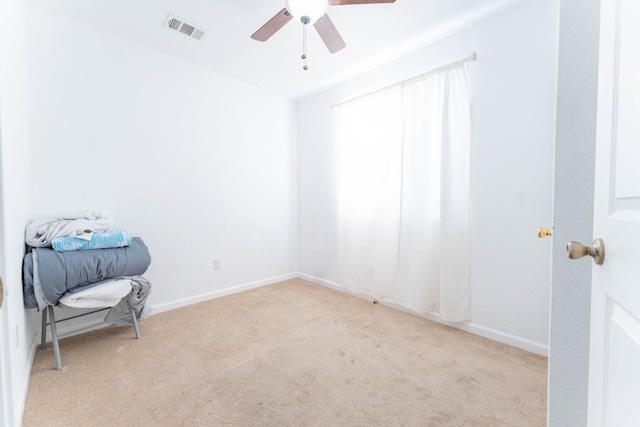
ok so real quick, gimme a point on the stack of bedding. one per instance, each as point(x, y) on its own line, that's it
point(80, 260)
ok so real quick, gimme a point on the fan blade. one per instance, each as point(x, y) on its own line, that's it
point(272, 26)
point(329, 34)
point(341, 2)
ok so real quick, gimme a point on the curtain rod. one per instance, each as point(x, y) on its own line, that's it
point(471, 58)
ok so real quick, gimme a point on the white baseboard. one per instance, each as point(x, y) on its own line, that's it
point(172, 305)
point(93, 322)
point(492, 334)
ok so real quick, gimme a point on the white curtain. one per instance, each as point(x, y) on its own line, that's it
point(404, 195)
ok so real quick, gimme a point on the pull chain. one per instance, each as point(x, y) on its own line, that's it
point(304, 46)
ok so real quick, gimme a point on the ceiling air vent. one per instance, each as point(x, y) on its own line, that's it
point(179, 25)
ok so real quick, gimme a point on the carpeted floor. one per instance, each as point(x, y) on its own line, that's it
point(289, 354)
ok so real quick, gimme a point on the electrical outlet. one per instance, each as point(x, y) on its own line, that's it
point(216, 264)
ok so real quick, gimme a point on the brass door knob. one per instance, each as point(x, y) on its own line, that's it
point(576, 250)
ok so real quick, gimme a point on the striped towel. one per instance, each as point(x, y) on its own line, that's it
point(120, 314)
point(106, 240)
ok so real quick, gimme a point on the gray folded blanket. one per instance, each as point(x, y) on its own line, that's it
point(48, 274)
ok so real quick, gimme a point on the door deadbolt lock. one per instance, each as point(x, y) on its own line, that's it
point(543, 232)
point(577, 250)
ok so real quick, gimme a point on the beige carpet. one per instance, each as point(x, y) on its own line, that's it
point(290, 354)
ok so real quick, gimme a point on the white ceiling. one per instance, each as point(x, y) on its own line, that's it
point(374, 34)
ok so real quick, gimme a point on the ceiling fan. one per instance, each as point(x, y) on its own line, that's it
point(310, 12)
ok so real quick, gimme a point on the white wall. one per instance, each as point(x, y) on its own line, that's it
point(573, 211)
point(17, 342)
point(513, 105)
point(199, 165)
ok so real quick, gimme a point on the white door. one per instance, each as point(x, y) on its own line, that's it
point(5, 386)
point(614, 371)
point(5, 373)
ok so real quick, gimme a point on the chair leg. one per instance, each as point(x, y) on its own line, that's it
point(54, 338)
point(135, 322)
point(43, 335)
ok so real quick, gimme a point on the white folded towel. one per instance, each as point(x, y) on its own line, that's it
point(107, 293)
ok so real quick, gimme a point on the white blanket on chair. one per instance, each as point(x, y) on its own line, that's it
point(41, 231)
point(106, 293)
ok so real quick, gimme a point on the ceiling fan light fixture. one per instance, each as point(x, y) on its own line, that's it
point(307, 11)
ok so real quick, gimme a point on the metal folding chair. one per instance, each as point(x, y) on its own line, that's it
point(54, 330)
